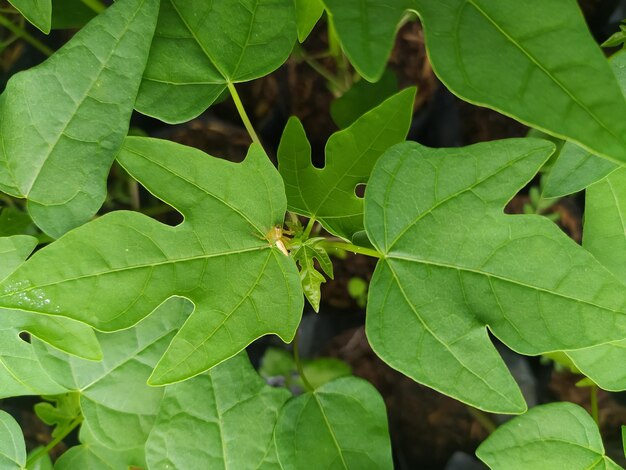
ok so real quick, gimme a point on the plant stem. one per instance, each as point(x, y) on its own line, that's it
point(309, 227)
point(52, 444)
point(594, 403)
point(95, 5)
point(352, 248)
point(482, 418)
point(244, 116)
point(25, 35)
point(315, 65)
point(296, 358)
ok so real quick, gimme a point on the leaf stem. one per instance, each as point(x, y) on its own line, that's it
point(52, 444)
point(26, 36)
point(593, 392)
point(482, 418)
point(94, 5)
point(352, 248)
point(296, 358)
point(308, 228)
point(315, 65)
point(242, 113)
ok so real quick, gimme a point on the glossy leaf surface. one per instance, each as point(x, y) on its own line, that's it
point(12, 447)
point(243, 287)
point(200, 46)
point(328, 194)
point(62, 122)
point(605, 237)
point(227, 415)
point(557, 435)
point(38, 12)
point(342, 424)
point(454, 263)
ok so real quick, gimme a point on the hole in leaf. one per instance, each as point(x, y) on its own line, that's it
point(359, 190)
point(24, 336)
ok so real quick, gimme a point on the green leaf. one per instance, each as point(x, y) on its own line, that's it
point(605, 238)
point(618, 38)
point(308, 13)
point(311, 279)
point(15, 222)
point(557, 435)
point(60, 411)
point(228, 414)
point(367, 29)
point(576, 168)
point(38, 12)
point(62, 122)
point(362, 97)
point(20, 371)
point(535, 61)
point(453, 263)
point(70, 14)
point(117, 404)
point(342, 424)
point(242, 285)
point(94, 456)
point(12, 447)
point(201, 46)
point(328, 194)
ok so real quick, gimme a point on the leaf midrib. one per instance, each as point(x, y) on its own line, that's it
point(404, 257)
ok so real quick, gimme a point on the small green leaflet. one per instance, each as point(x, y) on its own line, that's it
point(38, 12)
point(557, 435)
point(328, 194)
point(242, 285)
point(199, 47)
point(62, 122)
point(20, 371)
point(453, 263)
point(342, 424)
point(308, 13)
point(535, 61)
point(228, 414)
point(59, 411)
point(305, 255)
point(12, 447)
point(117, 419)
point(605, 238)
point(575, 167)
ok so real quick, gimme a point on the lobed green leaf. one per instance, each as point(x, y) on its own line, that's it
point(328, 194)
point(453, 263)
point(242, 285)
